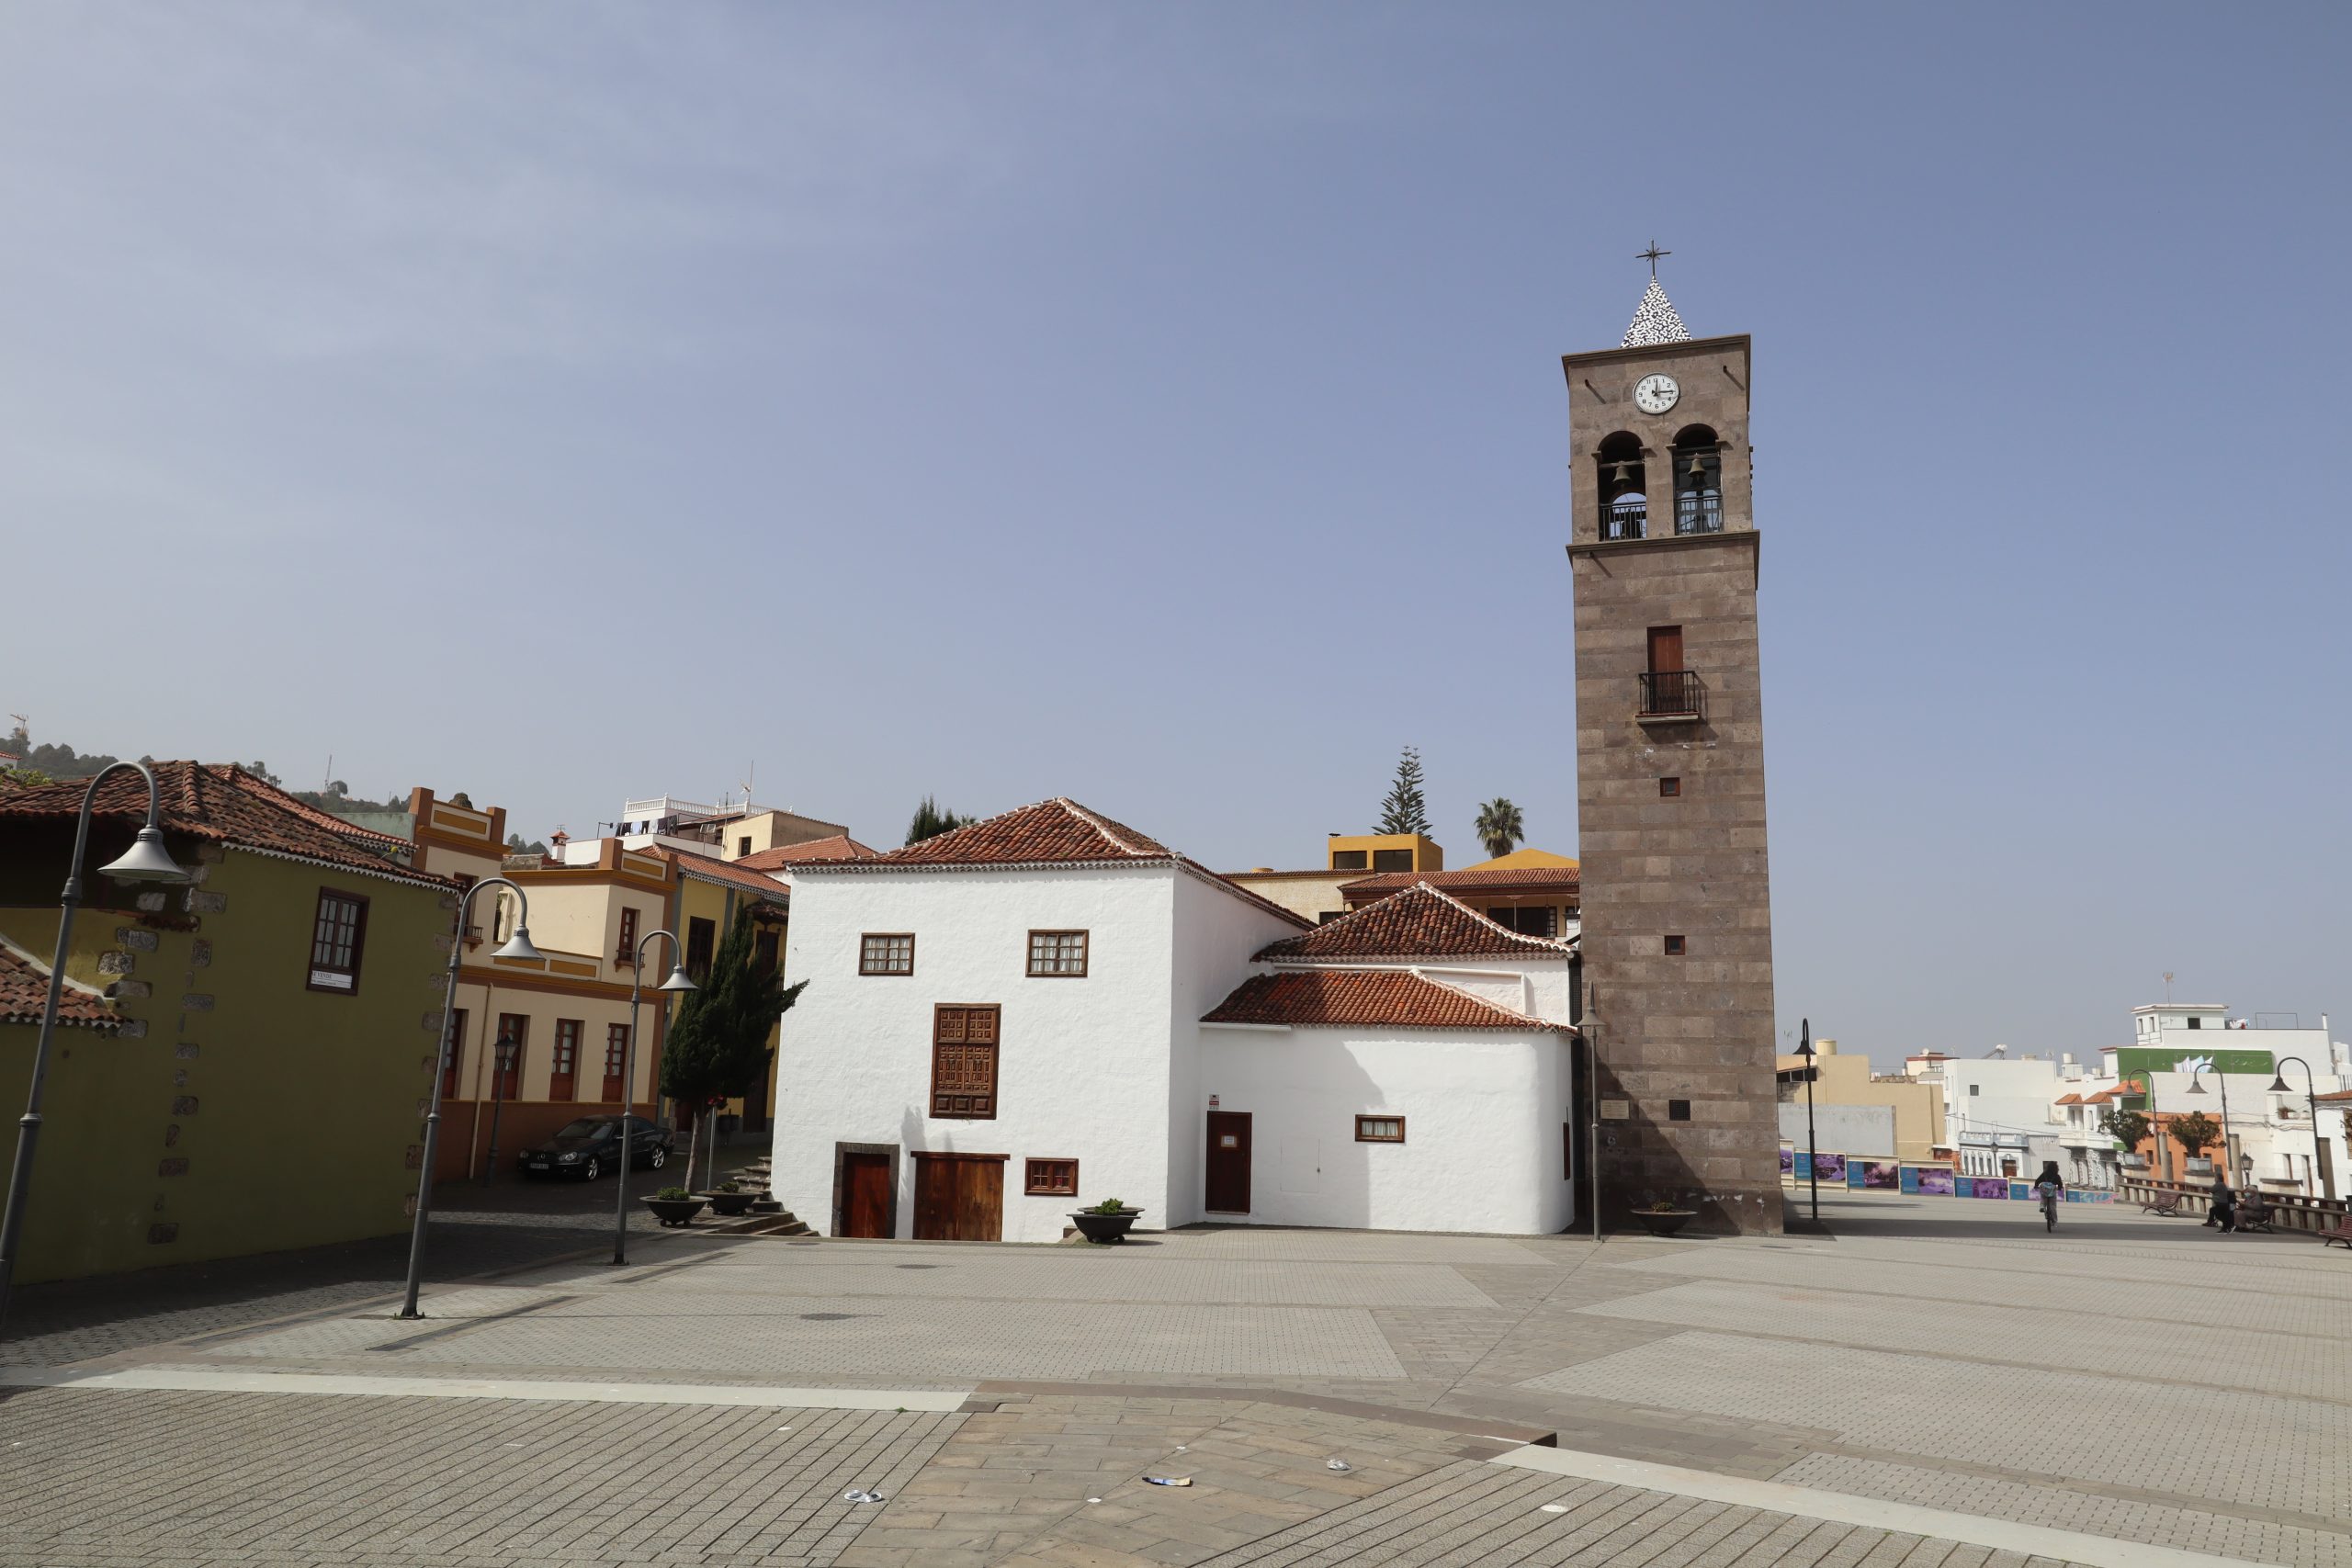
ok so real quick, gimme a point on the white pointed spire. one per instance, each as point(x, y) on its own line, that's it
point(1656, 321)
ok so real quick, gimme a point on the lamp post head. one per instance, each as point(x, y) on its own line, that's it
point(146, 861)
point(677, 980)
point(519, 946)
point(1804, 1049)
point(2196, 1085)
point(2278, 1084)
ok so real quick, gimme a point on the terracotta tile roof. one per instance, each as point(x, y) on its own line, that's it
point(841, 846)
point(1563, 881)
point(1378, 998)
point(1420, 922)
point(218, 802)
point(388, 844)
point(2070, 1100)
point(2340, 1094)
point(709, 868)
point(1056, 830)
point(24, 991)
point(1053, 832)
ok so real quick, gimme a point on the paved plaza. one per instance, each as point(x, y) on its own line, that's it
point(1926, 1384)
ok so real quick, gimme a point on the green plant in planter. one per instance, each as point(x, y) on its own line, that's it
point(673, 1194)
point(1109, 1206)
point(1663, 1206)
point(728, 1187)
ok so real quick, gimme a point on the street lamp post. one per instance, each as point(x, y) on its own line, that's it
point(1811, 1147)
point(676, 982)
point(517, 946)
point(145, 860)
point(2278, 1084)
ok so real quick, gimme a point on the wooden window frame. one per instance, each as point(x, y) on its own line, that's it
point(1085, 955)
point(1363, 1138)
point(1669, 788)
point(313, 969)
point(563, 1067)
point(702, 948)
point(996, 1063)
point(1677, 945)
point(625, 951)
point(1352, 860)
point(616, 1062)
point(865, 955)
point(1036, 1175)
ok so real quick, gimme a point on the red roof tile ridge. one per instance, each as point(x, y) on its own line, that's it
point(237, 775)
point(23, 992)
point(1104, 826)
point(1374, 999)
point(1398, 927)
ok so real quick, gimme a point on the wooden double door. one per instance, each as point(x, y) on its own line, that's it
point(959, 1197)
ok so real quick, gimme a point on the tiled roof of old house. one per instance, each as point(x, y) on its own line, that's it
point(24, 991)
point(841, 846)
point(709, 868)
point(390, 845)
point(219, 803)
point(1420, 922)
point(1052, 832)
point(1374, 999)
point(1561, 884)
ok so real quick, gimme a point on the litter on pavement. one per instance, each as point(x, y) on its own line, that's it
point(1169, 1480)
point(860, 1495)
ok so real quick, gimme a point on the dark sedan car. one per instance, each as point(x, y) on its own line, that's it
point(591, 1148)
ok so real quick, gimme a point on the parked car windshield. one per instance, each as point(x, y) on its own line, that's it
point(584, 1129)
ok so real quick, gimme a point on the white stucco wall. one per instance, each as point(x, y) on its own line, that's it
point(1081, 1067)
point(1483, 1111)
point(1217, 935)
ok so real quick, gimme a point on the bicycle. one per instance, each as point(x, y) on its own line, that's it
point(2050, 1211)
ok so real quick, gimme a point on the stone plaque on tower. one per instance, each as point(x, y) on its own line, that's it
point(1669, 723)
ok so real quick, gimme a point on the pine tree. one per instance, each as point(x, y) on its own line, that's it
point(718, 1042)
point(931, 821)
point(1500, 827)
point(1404, 810)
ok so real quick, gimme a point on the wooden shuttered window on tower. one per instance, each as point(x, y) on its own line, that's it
point(963, 1062)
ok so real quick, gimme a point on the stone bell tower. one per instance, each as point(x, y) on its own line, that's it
point(1677, 916)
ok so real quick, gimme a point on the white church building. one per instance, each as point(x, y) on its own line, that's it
point(1045, 1009)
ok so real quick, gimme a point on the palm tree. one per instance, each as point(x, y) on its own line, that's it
point(1500, 827)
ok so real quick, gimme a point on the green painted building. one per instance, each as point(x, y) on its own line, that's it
point(248, 1058)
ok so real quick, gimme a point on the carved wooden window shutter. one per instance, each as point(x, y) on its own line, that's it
point(963, 1062)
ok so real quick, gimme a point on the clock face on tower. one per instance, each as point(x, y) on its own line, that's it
point(1656, 394)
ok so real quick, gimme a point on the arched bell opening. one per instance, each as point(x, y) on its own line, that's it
point(1698, 481)
point(1623, 490)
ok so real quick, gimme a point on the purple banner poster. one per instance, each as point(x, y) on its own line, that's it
point(1788, 1162)
point(1831, 1168)
point(1936, 1182)
point(1881, 1175)
point(1989, 1186)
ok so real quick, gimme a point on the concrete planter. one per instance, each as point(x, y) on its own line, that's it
point(675, 1211)
point(1101, 1227)
point(726, 1205)
point(1665, 1222)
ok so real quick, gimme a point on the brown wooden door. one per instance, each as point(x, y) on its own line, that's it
point(866, 1195)
point(1229, 1168)
point(959, 1197)
point(1665, 649)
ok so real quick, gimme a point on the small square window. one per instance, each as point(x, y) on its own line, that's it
point(1057, 954)
point(1677, 1111)
point(743, 845)
point(1380, 1129)
point(1350, 860)
point(887, 953)
point(1051, 1178)
point(1669, 788)
point(1674, 947)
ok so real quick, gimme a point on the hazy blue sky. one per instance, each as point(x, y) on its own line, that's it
point(1161, 406)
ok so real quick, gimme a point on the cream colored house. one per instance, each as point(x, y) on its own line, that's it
point(1847, 1080)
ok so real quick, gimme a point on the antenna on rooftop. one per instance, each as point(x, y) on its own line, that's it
point(2167, 986)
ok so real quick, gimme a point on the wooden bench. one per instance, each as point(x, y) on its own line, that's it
point(2254, 1215)
point(2166, 1203)
point(2334, 1233)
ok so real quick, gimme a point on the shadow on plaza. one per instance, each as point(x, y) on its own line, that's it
point(1973, 1219)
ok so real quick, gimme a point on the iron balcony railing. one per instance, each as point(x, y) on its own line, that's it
point(1670, 692)
point(1625, 520)
point(1699, 512)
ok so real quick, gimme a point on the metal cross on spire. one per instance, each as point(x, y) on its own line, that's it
point(1651, 256)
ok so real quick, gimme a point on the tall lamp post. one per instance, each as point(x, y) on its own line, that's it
point(676, 982)
point(145, 860)
point(516, 946)
point(1812, 1149)
point(2278, 1084)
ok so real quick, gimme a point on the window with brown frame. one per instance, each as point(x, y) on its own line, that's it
point(1350, 860)
point(563, 1072)
point(963, 1041)
point(743, 845)
point(625, 953)
point(1051, 1178)
point(766, 942)
point(1057, 954)
point(1380, 1129)
point(701, 936)
point(338, 937)
point(887, 953)
point(1669, 788)
point(616, 1062)
point(506, 1063)
point(451, 1049)
point(1674, 946)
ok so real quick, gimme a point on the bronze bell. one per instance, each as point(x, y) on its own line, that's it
point(1620, 476)
point(1698, 468)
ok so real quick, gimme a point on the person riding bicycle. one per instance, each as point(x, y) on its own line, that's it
point(2049, 1187)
